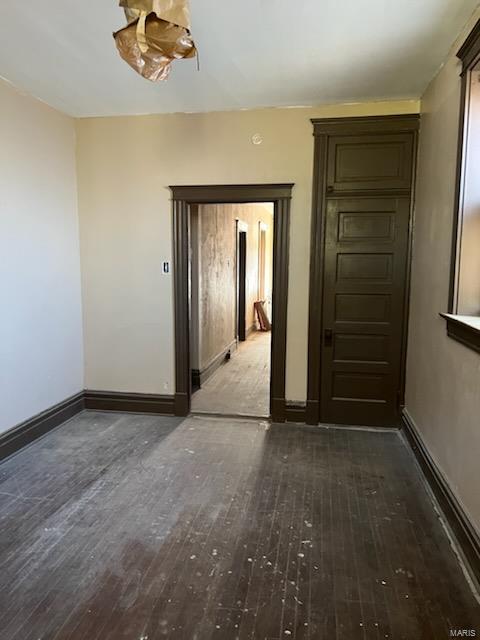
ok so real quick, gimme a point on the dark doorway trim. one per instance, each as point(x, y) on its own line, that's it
point(241, 285)
point(469, 54)
point(322, 129)
point(185, 196)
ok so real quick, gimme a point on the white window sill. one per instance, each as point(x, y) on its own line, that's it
point(464, 329)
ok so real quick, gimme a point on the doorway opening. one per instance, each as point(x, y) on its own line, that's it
point(241, 281)
point(187, 204)
point(230, 327)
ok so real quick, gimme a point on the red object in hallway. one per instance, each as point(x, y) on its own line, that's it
point(262, 316)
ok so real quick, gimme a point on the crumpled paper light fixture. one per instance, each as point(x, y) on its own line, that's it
point(158, 32)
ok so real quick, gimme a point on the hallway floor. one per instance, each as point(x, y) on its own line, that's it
point(127, 527)
point(240, 386)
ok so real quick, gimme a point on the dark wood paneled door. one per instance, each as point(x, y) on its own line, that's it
point(359, 270)
point(366, 249)
point(242, 286)
point(366, 163)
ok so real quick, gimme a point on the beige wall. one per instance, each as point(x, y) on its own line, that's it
point(124, 168)
point(443, 377)
point(41, 349)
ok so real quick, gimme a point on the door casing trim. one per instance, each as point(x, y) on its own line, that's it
point(182, 198)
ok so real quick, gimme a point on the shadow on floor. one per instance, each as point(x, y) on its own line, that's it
point(130, 527)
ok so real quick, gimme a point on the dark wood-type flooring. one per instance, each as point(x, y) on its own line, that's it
point(121, 527)
point(241, 386)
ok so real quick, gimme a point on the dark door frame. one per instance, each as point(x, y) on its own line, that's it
point(241, 285)
point(182, 198)
point(323, 128)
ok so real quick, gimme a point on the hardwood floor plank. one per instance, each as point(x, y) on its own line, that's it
point(241, 386)
point(120, 527)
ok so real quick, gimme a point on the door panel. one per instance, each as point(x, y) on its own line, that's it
point(351, 347)
point(242, 295)
point(364, 266)
point(356, 227)
point(353, 386)
point(362, 163)
point(363, 308)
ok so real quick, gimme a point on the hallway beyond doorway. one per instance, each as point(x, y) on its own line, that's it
point(241, 386)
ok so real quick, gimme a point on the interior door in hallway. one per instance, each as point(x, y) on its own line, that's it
point(366, 248)
point(242, 286)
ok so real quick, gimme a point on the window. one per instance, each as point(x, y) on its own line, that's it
point(463, 319)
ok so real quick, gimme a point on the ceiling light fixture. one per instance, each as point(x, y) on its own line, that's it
point(157, 33)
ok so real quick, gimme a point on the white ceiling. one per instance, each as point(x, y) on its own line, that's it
point(253, 53)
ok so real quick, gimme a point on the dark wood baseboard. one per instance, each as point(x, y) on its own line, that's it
point(129, 402)
point(295, 413)
point(181, 404)
point(312, 412)
point(465, 534)
point(200, 376)
point(23, 434)
point(277, 410)
point(285, 412)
